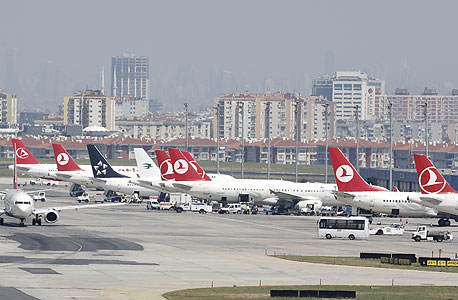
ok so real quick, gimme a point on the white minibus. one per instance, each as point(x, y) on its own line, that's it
point(343, 227)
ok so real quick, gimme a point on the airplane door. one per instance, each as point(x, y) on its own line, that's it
point(371, 203)
point(456, 205)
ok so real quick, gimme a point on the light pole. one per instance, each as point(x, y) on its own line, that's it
point(326, 115)
point(217, 137)
point(267, 122)
point(390, 112)
point(186, 129)
point(357, 136)
point(243, 137)
point(296, 111)
point(425, 115)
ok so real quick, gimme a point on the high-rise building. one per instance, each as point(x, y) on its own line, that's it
point(348, 90)
point(130, 76)
point(89, 108)
point(248, 113)
point(8, 108)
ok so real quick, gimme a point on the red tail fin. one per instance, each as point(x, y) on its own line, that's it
point(348, 180)
point(196, 166)
point(181, 167)
point(64, 161)
point(23, 155)
point(429, 178)
point(165, 164)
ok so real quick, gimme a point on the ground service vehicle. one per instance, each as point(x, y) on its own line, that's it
point(393, 229)
point(201, 208)
point(40, 197)
point(40, 181)
point(234, 208)
point(76, 190)
point(153, 205)
point(343, 227)
point(83, 198)
point(423, 234)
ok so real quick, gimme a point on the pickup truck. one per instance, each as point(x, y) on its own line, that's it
point(423, 234)
point(393, 229)
point(201, 208)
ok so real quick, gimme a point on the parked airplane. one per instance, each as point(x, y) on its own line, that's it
point(20, 205)
point(107, 178)
point(69, 170)
point(167, 175)
point(436, 192)
point(28, 164)
point(353, 190)
point(285, 194)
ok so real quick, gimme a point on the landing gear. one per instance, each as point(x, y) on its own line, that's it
point(1, 221)
point(22, 223)
point(36, 221)
point(444, 222)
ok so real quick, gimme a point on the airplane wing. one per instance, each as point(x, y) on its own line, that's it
point(182, 186)
point(289, 197)
point(63, 176)
point(344, 194)
point(23, 168)
point(430, 200)
point(40, 211)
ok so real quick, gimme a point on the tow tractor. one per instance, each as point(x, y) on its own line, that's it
point(423, 234)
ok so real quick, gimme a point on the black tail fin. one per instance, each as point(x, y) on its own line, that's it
point(100, 166)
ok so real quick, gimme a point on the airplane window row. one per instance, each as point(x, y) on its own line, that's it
point(22, 202)
point(398, 201)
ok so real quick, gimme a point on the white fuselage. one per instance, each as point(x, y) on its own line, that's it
point(85, 177)
point(258, 191)
point(124, 185)
point(18, 204)
point(448, 203)
point(393, 203)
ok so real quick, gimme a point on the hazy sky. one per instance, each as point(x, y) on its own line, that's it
point(199, 49)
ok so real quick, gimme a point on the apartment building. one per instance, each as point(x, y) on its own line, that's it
point(89, 108)
point(8, 108)
point(130, 76)
point(276, 115)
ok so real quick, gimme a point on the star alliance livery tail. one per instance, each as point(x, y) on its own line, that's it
point(429, 178)
point(64, 161)
point(100, 166)
point(347, 179)
point(146, 166)
point(165, 165)
point(196, 166)
point(23, 155)
point(182, 167)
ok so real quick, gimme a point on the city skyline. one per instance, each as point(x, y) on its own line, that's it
point(201, 50)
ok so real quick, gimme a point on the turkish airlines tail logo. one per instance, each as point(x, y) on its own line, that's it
point(344, 173)
point(429, 178)
point(62, 159)
point(23, 155)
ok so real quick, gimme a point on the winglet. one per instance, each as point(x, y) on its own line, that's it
point(181, 167)
point(196, 166)
point(23, 155)
point(395, 188)
point(165, 165)
point(429, 178)
point(64, 161)
point(347, 178)
point(100, 166)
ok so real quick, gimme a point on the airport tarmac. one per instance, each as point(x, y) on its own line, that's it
point(129, 252)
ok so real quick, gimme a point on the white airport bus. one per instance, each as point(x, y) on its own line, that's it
point(343, 227)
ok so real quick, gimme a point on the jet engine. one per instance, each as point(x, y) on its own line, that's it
point(51, 216)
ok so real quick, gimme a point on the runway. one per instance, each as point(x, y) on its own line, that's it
point(131, 253)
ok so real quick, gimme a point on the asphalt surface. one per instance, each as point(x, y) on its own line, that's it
point(128, 252)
